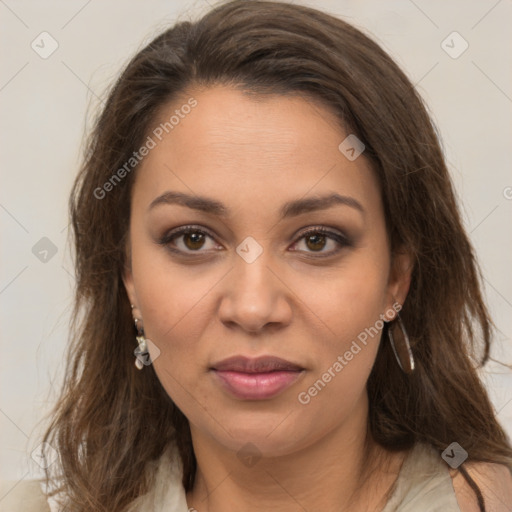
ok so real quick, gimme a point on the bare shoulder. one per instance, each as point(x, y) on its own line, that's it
point(494, 481)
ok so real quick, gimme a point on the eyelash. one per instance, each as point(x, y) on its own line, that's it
point(337, 237)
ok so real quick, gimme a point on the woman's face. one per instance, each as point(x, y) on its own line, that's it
point(247, 280)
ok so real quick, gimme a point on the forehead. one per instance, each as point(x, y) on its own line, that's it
point(226, 119)
point(243, 146)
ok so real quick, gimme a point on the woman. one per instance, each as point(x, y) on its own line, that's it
point(277, 305)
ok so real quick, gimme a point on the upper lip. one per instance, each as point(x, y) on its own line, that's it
point(255, 365)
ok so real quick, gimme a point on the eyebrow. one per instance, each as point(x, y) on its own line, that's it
point(289, 209)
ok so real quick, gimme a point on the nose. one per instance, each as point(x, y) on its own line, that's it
point(255, 296)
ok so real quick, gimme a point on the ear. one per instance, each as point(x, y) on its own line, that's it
point(399, 277)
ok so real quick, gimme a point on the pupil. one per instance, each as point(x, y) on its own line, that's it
point(196, 238)
point(316, 243)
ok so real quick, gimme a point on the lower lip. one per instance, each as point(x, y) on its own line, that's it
point(256, 386)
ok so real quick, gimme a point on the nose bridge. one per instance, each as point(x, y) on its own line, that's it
point(253, 296)
point(251, 273)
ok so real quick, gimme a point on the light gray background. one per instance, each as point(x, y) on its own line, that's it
point(45, 104)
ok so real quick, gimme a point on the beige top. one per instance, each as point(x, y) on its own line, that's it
point(423, 485)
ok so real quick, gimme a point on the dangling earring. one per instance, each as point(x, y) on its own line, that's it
point(141, 352)
point(403, 355)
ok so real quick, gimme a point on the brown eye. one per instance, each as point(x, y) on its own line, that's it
point(187, 239)
point(317, 239)
point(316, 242)
point(193, 240)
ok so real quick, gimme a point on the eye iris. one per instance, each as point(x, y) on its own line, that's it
point(195, 238)
point(316, 238)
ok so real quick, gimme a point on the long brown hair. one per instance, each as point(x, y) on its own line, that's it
point(112, 421)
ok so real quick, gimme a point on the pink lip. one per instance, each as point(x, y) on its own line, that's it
point(256, 378)
point(256, 386)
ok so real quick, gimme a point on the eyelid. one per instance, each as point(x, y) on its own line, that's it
point(332, 233)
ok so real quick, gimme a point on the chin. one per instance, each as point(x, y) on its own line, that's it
point(268, 439)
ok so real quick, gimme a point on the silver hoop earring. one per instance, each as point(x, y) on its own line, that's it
point(402, 349)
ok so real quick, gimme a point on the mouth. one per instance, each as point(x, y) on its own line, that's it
point(256, 379)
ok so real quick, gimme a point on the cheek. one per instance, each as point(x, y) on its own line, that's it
point(174, 315)
point(350, 301)
point(349, 305)
point(343, 365)
point(175, 304)
point(174, 324)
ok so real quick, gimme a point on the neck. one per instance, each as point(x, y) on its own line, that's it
point(328, 474)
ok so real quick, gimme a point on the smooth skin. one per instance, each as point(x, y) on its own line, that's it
point(304, 298)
